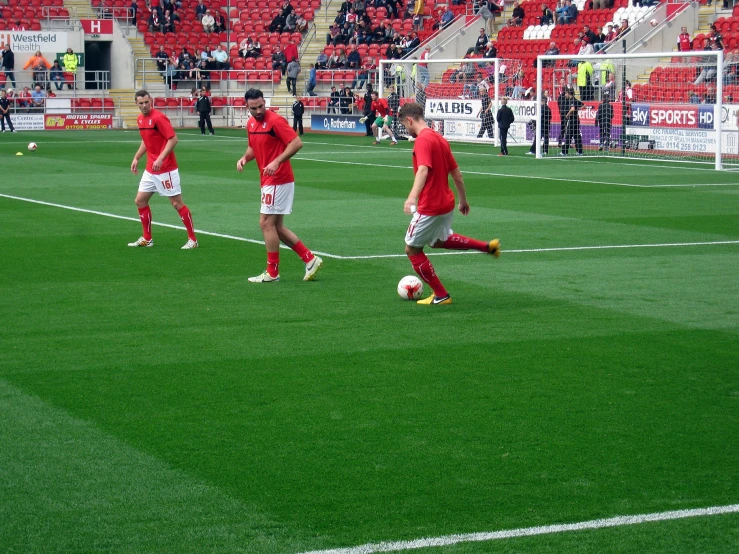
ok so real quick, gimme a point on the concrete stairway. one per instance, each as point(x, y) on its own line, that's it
point(129, 111)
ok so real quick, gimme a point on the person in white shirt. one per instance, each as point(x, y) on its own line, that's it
point(208, 22)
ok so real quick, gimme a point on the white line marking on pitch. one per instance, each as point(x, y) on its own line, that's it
point(373, 256)
point(531, 177)
point(447, 540)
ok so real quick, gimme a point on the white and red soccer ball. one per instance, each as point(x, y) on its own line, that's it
point(32, 146)
point(653, 22)
point(410, 288)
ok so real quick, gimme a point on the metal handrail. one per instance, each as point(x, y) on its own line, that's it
point(101, 80)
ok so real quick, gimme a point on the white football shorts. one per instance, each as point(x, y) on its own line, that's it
point(428, 229)
point(277, 199)
point(166, 184)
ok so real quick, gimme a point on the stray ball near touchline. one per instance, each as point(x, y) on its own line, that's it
point(32, 146)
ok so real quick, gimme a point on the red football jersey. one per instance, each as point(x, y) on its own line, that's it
point(268, 138)
point(380, 105)
point(156, 130)
point(432, 150)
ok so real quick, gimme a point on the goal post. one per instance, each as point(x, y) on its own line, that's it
point(669, 106)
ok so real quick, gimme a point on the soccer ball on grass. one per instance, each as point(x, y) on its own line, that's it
point(32, 146)
point(410, 288)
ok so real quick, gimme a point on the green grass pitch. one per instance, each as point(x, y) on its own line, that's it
point(152, 400)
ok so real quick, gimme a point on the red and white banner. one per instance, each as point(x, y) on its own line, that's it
point(67, 122)
point(97, 29)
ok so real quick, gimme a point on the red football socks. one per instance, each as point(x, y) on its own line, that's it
point(459, 242)
point(305, 254)
point(145, 216)
point(425, 270)
point(273, 264)
point(186, 217)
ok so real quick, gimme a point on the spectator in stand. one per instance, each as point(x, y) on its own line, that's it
point(161, 58)
point(168, 23)
point(709, 67)
point(684, 41)
point(203, 75)
point(333, 102)
point(311, 81)
point(491, 51)
point(568, 13)
point(221, 58)
point(244, 47)
point(546, 17)
point(517, 16)
point(200, 10)
point(18, 26)
point(709, 97)
point(291, 51)
point(480, 44)
point(56, 75)
point(184, 56)
point(346, 100)
point(155, 22)
point(337, 60)
point(277, 24)
point(602, 4)
point(291, 22)
point(584, 47)
point(38, 98)
point(24, 98)
point(413, 43)
point(331, 36)
point(208, 22)
point(322, 61)
point(623, 28)
point(287, 9)
point(133, 12)
point(278, 60)
point(254, 50)
point(221, 23)
point(69, 61)
point(551, 51)
point(293, 70)
point(487, 16)
point(353, 60)
point(588, 35)
point(392, 53)
point(9, 63)
point(359, 6)
point(718, 40)
point(447, 17)
point(40, 66)
point(170, 74)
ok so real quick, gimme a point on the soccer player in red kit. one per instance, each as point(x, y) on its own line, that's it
point(431, 202)
point(383, 120)
point(272, 142)
point(158, 140)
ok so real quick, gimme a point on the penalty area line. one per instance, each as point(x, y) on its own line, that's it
point(618, 521)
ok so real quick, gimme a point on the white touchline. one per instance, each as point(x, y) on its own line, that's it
point(373, 256)
point(447, 540)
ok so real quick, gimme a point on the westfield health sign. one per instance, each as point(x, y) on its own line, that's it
point(30, 41)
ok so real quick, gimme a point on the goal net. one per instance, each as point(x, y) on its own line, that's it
point(454, 91)
point(665, 106)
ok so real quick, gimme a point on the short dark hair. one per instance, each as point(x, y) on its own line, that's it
point(143, 92)
point(414, 110)
point(253, 94)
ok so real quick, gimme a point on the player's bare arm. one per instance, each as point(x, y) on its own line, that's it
point(137, 156)
point(464, 207)
point(245, 159)
point(290, 150)
point(418, 183)
point(171, 143)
